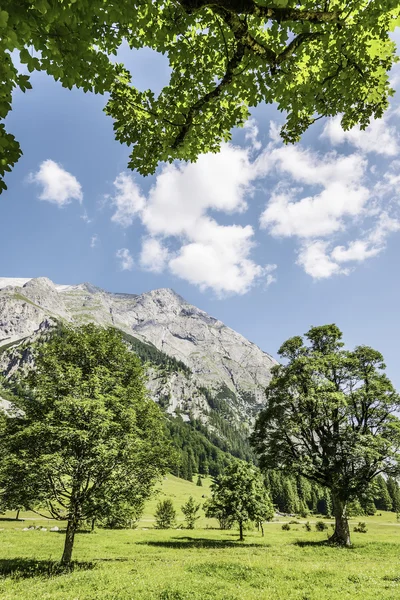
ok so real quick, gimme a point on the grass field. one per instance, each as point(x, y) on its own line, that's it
point(204, 563)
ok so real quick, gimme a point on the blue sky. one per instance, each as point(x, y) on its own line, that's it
point(269, 239)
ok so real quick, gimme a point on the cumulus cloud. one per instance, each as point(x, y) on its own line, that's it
point(193, 214)
point(315, 260)
point(251, 134)
point(379, 137)
point(128, 200)
point(154, 255)
point(58, 185)
point(177, 209)
point(340, 193)
point(321, 198)
point(125, 259)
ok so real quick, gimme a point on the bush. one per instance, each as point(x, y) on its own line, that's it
point(165, 514)
point(286, 527)
point(307, 526)
point(294, 522)
point(361, 527)
point(321, 526)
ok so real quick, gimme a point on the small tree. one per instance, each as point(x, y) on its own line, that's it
point(240, 495)
point(165, 514)
point(190, 510)
point(213, 509)
point(199, 482)
point(87, 436)
point(330, 417)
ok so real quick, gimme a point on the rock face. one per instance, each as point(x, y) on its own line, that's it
point(218, 357)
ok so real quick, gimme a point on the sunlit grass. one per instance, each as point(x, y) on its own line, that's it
point(179, 564)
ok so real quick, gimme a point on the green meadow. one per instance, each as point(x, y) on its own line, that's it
point(205, 563)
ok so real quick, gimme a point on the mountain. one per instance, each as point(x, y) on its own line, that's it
point(196, 366)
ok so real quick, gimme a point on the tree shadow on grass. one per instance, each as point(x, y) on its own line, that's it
point(27, 568)
point(190, 542)
point(320, 544)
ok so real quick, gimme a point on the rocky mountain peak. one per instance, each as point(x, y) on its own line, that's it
point(217, 357)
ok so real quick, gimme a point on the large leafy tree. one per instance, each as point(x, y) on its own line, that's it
point(87, 437)
point(313, 58)
point(239, 494)
point(329, 416)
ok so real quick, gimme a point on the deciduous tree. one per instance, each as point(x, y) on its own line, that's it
point(329, 416)
point(88, 437)
point(312, 58)
point(240, 495)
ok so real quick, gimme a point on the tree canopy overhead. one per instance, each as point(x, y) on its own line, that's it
point(313, 58)
point(329, 416)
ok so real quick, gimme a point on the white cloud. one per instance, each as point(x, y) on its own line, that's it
point(154, 255)
point(125, 259)
point(358, 251)
point(183, 194)
point(59, 186)
point(252, 134)
point(379, 137)
point(290, 212)
point(275, 132)
point(321, 198)
point(218, 259)
point(94, 240)
point(209, 255)
point(270, 278)
point(127, 200)
point(315, 260)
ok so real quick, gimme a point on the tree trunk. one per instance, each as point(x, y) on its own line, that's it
point(241, 538)
point(262, 529)
point(17, 517)
point(341, 535)
point(69, 541)
point(93, 523)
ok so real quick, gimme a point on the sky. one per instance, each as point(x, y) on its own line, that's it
point(270, 239)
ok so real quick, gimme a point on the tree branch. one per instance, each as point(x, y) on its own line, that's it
point(273, 13)
point(217, 91)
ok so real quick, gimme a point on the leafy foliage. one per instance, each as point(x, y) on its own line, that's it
point(190, 510)
point(315, 59)
point(329, 417)
point(165, 514)
point(88, 438)
point(239, 494)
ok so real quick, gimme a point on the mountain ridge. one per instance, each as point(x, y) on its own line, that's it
point(192, 360)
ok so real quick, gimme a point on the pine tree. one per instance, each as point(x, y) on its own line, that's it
point(394, 493)
point(190, 510)
point(165, 514)
point(382, 497)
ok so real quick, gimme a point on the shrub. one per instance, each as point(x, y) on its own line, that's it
point(361, 527)
point(286, 527)
point(294, 522)
point(321, 526)
point(190, 510)
point(165, 514)
point(307, 526)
